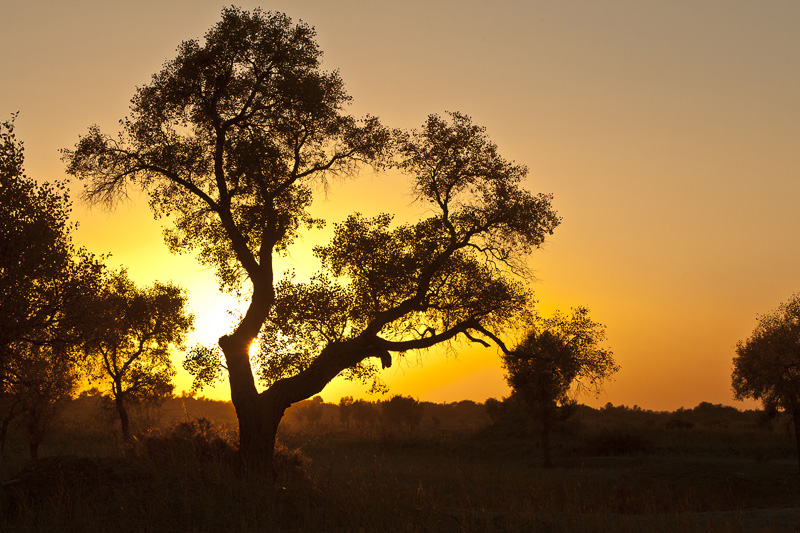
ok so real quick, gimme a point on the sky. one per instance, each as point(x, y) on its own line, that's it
point(667, 131)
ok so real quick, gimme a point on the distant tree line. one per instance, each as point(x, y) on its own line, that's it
point(403, 414)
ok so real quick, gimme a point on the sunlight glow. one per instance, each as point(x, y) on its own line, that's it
point(253, 350)
point(651, 132)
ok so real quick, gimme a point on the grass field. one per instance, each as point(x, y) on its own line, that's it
point(623, 471)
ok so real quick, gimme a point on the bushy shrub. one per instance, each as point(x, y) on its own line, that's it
point(197, 439)
point(288, 462)
point(200, 440)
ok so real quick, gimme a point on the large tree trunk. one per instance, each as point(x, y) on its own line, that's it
point(258, 418)
point(258, 427)
point(260, 414)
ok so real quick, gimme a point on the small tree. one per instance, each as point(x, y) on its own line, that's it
point(766, 366)
point(345, 410)
point(363, 413)
point(44, 279)
point(44, 383)
point(310, 411)
point(558, 359)
point(129, 345)
point(400, 410)
point(494, 409)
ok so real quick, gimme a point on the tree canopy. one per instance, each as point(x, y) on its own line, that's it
point(767, 365)
point(228, 138)
point(412, 286)
point(560, 357)
point(43, 277)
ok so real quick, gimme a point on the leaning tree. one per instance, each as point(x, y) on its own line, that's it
point(229, 138)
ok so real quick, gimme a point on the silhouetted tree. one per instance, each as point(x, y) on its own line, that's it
point(129, 345)
point(43, 278)
point(45, 382)
point(345, 410)
point(766, 366)
point(559, 358)
point(400, 410)
point(494, 409)
point(363, 413)
point(310, 411)
point(228, 139)
point(44, 283)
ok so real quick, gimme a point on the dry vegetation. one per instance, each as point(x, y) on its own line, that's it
point(616, 469)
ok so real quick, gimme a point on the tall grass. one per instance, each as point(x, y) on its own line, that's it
point(609, 475)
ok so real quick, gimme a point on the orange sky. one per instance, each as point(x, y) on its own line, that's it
point(668, 131)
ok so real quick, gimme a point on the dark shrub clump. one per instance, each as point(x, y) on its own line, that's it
point(618, 441)
point(189, 441)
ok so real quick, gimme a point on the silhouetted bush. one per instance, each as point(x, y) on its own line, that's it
point(288, 462)
point(200, 440)
point(494, 409)
point(187, 441)
point(679, 423)
point(618, 441)
point(402, 410)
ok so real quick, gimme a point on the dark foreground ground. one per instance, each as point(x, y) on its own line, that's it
point(611, 474)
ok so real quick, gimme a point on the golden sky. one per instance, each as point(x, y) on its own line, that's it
point(668, 132)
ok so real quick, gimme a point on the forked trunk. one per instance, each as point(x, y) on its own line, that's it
point(260, 414)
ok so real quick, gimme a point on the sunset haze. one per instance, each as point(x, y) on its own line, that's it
point(667, 132)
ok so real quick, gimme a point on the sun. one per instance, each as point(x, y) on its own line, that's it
point(253, 350)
